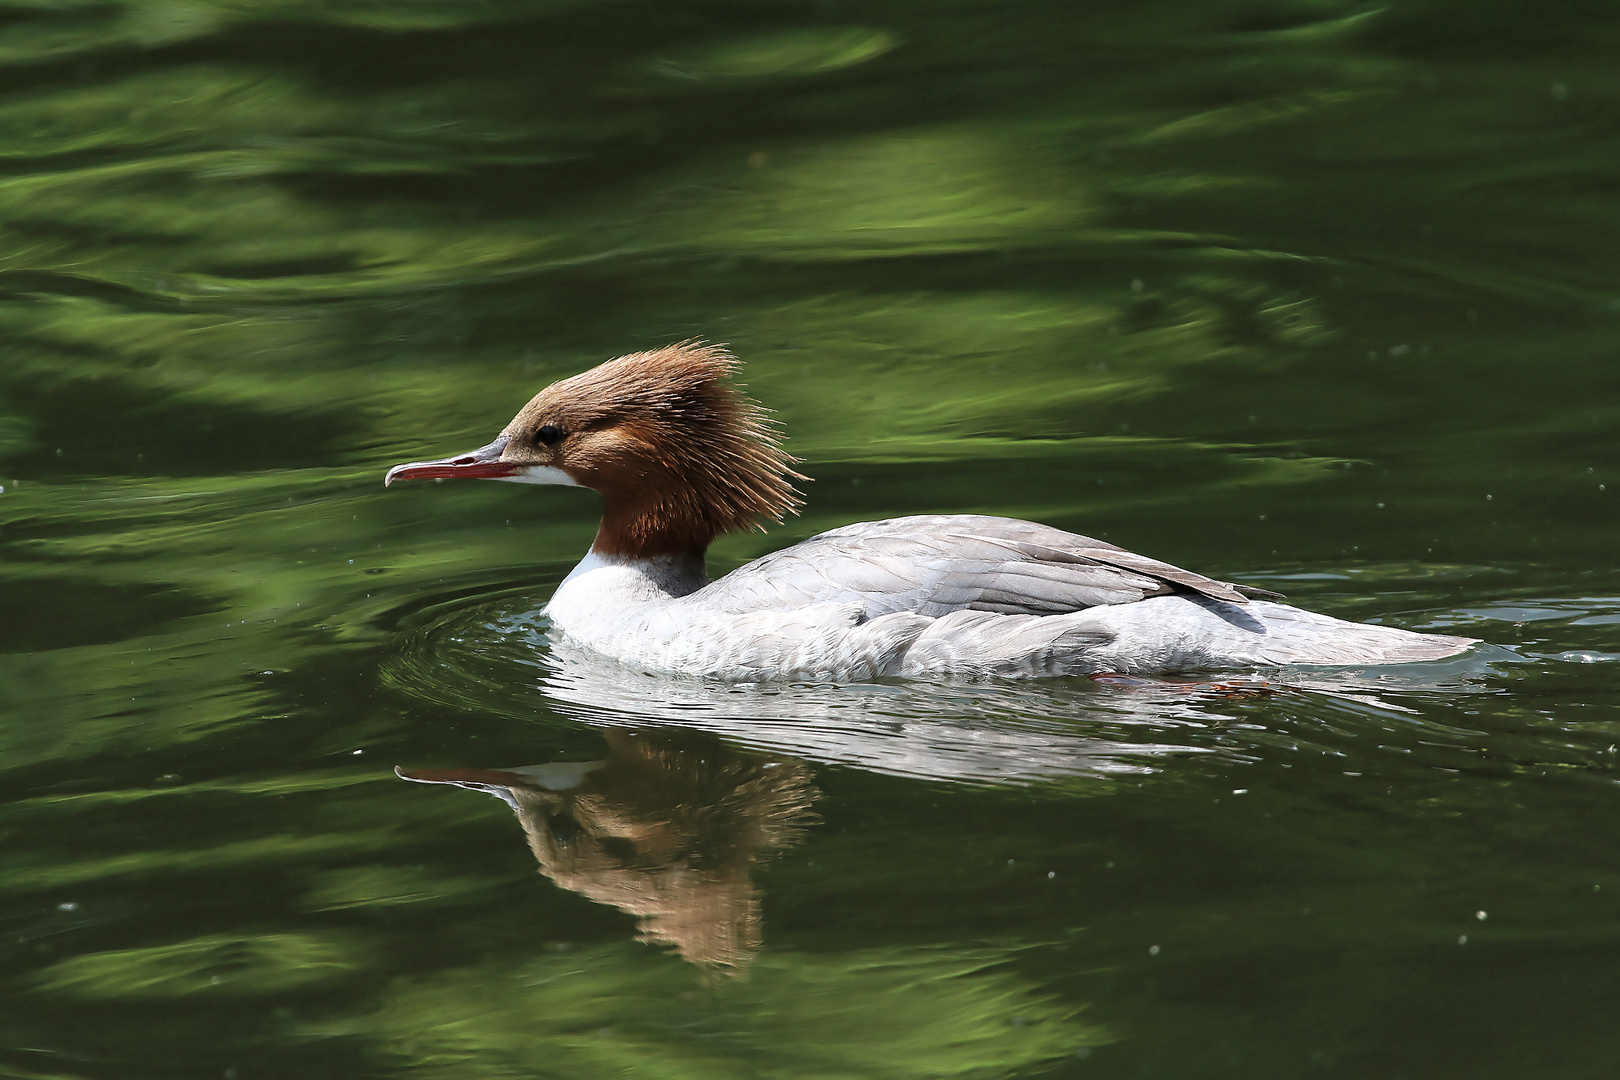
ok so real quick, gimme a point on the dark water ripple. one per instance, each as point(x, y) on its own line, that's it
point(1313, 295)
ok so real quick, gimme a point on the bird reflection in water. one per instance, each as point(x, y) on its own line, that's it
point(666, 828)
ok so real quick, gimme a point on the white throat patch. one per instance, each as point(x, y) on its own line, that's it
point(541, 474)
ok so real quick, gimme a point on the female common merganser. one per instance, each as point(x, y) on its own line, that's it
point(680, 457)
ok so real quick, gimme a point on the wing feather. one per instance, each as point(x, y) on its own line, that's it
point(939, 564)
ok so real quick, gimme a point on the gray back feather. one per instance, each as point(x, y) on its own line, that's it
point(938, 564)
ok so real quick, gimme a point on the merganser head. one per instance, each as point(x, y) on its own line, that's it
point(678, 453)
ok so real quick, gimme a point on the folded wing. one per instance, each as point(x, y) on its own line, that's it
point(935, 565)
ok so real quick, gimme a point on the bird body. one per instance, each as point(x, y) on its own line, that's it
point(680, 458)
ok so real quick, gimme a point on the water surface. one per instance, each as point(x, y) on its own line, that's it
point(1314, 295)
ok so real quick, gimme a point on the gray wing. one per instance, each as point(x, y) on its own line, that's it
point(939, 564)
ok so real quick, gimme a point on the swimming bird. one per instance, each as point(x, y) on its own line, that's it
point(680, 456)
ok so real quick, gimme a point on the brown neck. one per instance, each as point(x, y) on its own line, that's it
point(645, 527)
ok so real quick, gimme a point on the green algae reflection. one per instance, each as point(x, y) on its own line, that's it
point(884, 1014)
point(222, 965)
point(1237, 284)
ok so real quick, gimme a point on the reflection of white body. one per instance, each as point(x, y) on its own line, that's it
point(507, 664)
point(680, 459)
point(996, 734)
point(502, 660)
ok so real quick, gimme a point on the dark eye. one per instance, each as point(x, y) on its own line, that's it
point(550, 435)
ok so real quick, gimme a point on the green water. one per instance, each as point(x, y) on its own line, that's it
point(1310, 294)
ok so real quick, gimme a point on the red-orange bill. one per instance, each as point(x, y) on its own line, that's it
point(450, 469)
point(482, 464)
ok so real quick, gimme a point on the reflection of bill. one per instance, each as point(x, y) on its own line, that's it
point(665, 828)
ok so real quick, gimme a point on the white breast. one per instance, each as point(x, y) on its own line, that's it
point(646, 613)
